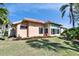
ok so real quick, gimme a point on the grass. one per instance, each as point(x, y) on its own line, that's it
point(36, 47)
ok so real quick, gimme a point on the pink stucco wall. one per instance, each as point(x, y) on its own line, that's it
point(34, 29)
point(21, 32)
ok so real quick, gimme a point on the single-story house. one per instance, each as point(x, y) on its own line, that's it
point(32, 28)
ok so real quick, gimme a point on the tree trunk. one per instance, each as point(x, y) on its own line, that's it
point(72, 15)
point(73, 23)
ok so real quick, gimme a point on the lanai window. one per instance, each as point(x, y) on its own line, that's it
point(55, 31)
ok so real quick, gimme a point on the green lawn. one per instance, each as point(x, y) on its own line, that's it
point(51, 47)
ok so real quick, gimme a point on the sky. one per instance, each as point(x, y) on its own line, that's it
point(39, 11)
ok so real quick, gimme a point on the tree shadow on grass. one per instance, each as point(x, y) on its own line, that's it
point(43, 44)
point(46, 44)
point(73, 46)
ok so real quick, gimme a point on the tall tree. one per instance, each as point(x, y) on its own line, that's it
point(70, 8)
point(3, 15)
point(76, 8)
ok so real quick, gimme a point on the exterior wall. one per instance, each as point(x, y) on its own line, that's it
point(9, 31)
point(34, 29)
point(49, 29)
point(4, 28)
point(21, 32)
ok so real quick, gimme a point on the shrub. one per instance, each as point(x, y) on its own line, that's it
point(71, 34)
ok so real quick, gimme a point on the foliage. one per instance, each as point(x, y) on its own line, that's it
point(76, 8)
point(4, 17)
point(73, 12)
point(71, 34)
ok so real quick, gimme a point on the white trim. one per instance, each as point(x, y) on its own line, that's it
point(17, 22)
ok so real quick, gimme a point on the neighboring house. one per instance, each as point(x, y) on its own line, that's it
point(32, 28)
point(5, 30)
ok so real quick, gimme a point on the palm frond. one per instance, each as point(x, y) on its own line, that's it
point(70, 17)
point(63, 7)
point(71, 11)
point(4, 11)
point(2, 4)
point(3, 15)
point(63, 13)
point(72, 14)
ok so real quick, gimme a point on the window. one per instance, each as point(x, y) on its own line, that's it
point(55, 31)
point(23, 26)
point(46, 30)
point(58, 31)
point(52, 31)
point(40, 30)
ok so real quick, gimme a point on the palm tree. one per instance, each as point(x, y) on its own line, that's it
point(70, 8)
point(3, 17)
point(76, 8)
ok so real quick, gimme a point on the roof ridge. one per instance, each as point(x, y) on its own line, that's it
point(31, 19)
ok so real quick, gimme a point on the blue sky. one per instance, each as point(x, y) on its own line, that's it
point(43, 11)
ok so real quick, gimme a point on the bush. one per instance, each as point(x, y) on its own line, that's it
point(71, 34)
